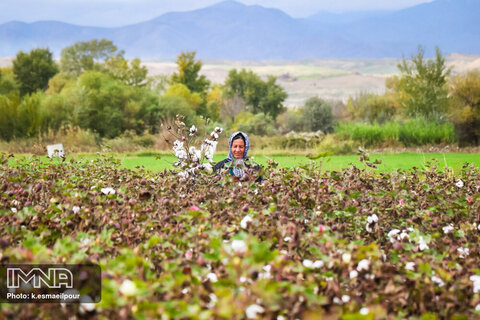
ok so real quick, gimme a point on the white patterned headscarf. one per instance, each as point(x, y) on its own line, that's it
point(238, 164)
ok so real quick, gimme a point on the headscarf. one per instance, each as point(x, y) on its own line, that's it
point(237, 170)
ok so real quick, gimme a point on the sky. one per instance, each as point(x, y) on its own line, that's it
point(113, 13)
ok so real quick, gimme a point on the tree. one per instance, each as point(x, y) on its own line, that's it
point(317, 115)
point(258, 95)
point(7, 81)
point(33, 70)
point(180, 90)
point(188, 73)
point(465, 107)
point(87, 55)
point(259, 124)
point(9, 109)
point(371, 107)
point(129, 72)
point(165, 110)
point(231, 107)
point(58, 82)
point(271, 102)
point(290, 120)
point(100, 104)
point(421, 89)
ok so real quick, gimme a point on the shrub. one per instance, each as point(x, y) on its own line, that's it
point(317, 115)
point(465, 107)
point(260, 124)
point(414, 132)
point(332, 143)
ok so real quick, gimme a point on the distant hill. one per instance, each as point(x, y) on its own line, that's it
point(231, 30)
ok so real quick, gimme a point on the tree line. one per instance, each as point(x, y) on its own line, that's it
point(94, 87)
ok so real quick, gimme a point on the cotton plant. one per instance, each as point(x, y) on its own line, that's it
point(193, 155)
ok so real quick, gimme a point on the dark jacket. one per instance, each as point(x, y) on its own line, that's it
point(221, 165)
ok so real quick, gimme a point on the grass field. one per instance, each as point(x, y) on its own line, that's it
point(390, 162)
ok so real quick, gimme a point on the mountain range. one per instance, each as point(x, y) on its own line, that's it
point(234, 31)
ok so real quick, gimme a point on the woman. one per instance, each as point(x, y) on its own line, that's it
point(238, 146)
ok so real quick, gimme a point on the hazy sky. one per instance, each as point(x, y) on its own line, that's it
point(122, 12)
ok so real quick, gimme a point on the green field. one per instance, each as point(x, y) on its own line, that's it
point(390, 162)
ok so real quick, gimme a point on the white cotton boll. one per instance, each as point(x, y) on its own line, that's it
point(128, 288)
point(214, 135)
point(212, 277)
point(287, 239)
point(185, 290)
point(392, 234)
point(403, 235)
point(307, 263)
point(195, 154)
point(253, 310)
point(193, 130)
point(239, 246)
point(208, 149)
point(448, 228)
point(177, 144)
point(372, 219)
point(181, 154)
point(267, 268)
point(337, 300)
point(317, 264)
point(459, 183)
point(345, 298)
point(183, 175)
point(438, 281)
point(244, 223)
point(364, 311)
point(477, 308)
point(410, 266)
point(346, 257)
point(107, 191)
point(476, 283)
point(14, 210)
point(213, 300)
point(363, 265)
point(283, 318)
point(86, 307)
point(207, 167)
point(422, 245)
point(76, 209)
point(353, 274)
point(463, 252)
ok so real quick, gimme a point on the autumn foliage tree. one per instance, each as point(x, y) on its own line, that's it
point(465, 106)
point(188, 74)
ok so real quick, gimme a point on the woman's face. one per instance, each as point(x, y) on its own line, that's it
point(238, 148)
